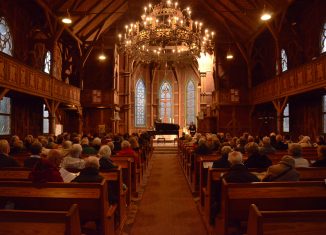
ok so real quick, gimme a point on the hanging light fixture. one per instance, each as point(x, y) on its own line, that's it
point(166, 33)
point(102, 55)
point(229, 55)
point(67, 19)
point(265, 16)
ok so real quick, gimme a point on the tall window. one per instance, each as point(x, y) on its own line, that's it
point(166, 102)
point(323, 40)
point(47, 62)
point(5, 116)
point(324, 113)
point(286, 119)
point(284, 60)
point(140, 104)
point(5, 37)
point(190, 102)
point(45, 120)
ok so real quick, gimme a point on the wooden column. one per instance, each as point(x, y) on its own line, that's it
point(80, 119)
point(52, 107)
point(279, 105)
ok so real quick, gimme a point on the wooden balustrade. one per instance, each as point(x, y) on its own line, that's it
point(305, 78)
point(16, 76)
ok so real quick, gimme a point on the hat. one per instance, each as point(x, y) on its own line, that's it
point(287, 160)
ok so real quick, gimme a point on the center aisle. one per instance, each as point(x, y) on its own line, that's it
point(167, 206)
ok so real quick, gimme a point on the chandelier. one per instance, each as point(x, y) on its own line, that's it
point(166, 33)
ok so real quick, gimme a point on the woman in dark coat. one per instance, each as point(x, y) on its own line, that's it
point(91, 171)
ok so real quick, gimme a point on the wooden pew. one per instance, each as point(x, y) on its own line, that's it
point(126, 167)
point(116, 192)
point(14, 174)
point(31, 222)
point(92, 199)
point(237, 197)
point(307, 222)
point(312, 173)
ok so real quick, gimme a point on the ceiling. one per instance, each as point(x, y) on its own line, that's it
point(236, 21)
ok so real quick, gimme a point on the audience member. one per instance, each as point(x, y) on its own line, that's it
point(91, 171)
point(255, 159)
point(266, 147)
point(223, 161)
point(280, 145)
point(87, 149)
point(73, 161)
point(295, 150)
point(238, 173)
point(305, 142)
point(36, 149)
point(105, 161)
point(283, 171)
point(5, 159)
point(321, 162)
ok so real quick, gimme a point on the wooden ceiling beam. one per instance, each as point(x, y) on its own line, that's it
point(241, 21)
point(46, 8)
point(117, 13)
point(89, 22)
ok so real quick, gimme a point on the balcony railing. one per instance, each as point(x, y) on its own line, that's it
point(19, 77)
point(305, 78)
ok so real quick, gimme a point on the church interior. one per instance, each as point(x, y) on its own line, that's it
point(173, 108)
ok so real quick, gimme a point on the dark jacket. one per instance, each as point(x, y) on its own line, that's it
point(7, 161)
point(107, 164)
point(203, 149)
point(239, 174)
point(258, 161)
point(31, 161)
point(280, 145)
point(222, 162)
point(89, 150)
point(319, 163)
point(89, 174)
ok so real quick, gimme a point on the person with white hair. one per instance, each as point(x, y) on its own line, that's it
point(73, 160)
point(127, 151)
point(295, 150)
point(223, 162)
point(238, 172)
point(87, 149)
point(305, 142)
point(266, 147)
point(105, 161)
point(96, 143)
point(91, 171)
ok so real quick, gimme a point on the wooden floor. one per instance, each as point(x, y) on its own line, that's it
point(167, 206)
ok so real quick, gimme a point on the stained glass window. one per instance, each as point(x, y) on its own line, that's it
point(47, 62)
point(140, 103)
point(190, 102)
point(286, 119)
point(284, 59)
point(5, 37)
point(45, 120)
point(166, 102)
point(5, 116)
point(323, 40)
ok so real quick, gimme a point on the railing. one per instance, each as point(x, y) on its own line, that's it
point(19, 77)
point(305, 78)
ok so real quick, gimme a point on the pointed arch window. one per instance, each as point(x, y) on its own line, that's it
point(286, 118)
point(284, 60)
point(47, 62)
point(46, 122)
point(5, 37)
point(166, 102)
point(323, 39)
point(190, 102)
point(140, 101)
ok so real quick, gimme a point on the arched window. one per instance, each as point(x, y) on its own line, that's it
point(190, 102)
point(5, 37)
point(47, 62)
point(286, 119)
point(284, 60)
point(166, 102)
point(323, 40)
point(140, 101)
point(5, 116)
point(46, 123)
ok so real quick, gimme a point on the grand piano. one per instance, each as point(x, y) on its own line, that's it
point(165, 129)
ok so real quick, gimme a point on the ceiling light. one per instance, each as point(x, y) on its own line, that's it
point(265, 16)
point(229, 55)
point(102, 57)
point(67, 19)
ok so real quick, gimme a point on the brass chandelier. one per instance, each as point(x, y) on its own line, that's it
point(166, 33)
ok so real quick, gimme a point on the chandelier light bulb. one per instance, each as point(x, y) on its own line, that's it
point(102, 57)
point(266, 16)
point(66, 20)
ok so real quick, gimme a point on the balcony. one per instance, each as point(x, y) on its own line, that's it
point(305, 78)
point(18, 77)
